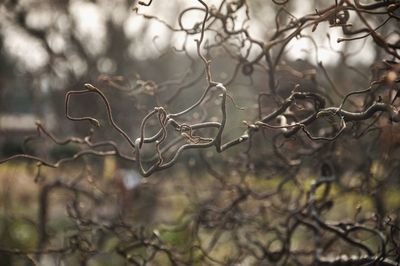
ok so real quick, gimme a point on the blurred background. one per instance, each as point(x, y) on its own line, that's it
point(50, 47)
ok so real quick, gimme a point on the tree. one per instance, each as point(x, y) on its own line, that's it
point(270, 139)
